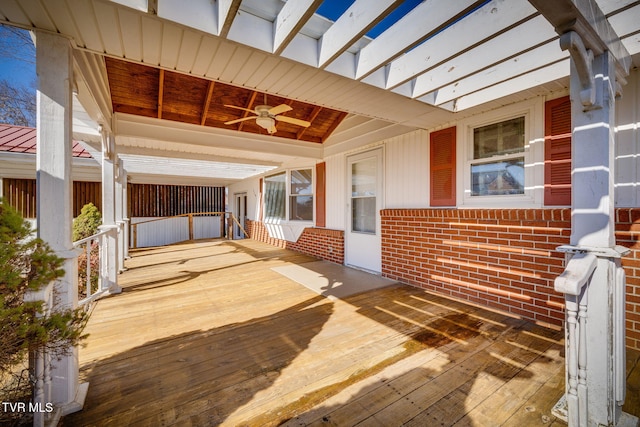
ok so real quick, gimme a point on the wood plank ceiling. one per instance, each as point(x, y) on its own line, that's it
point(152, 92)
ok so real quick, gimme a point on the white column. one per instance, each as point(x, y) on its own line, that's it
point(54, 192)
point(110, 257)
point(120, 213)
point(601, 345)
point(125, 215)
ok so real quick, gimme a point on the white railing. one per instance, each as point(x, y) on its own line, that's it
point(573, 283)
point(178, 228)
point(97, 285)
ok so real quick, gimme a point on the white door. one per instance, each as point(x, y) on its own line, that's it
point(363, 241)
point(240, 212)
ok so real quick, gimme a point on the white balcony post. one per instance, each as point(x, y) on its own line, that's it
point(109, 260)
point(54, 194)
point(595, 346)
point(125, 214)
point(120, 203)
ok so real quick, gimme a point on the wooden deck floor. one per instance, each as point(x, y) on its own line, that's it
point(210, 333)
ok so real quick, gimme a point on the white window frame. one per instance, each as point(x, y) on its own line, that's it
point(533, 113)
point(288, 195)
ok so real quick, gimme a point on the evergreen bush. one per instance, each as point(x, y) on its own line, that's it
point(27, 264)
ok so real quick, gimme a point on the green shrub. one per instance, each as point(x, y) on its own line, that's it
point(28, 264)
point(87, 223)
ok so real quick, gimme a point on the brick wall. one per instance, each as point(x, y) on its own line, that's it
point(319, 242)
point(504, 259)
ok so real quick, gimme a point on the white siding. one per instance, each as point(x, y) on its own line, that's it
point(335, 192)
point(407, 171)
point(160, 233)
point(206, 227)
point(628, 143)
point(251, 186)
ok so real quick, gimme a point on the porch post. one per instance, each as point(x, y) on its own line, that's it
point(595, 329)
point(125, 214)
point(54, 195)
point(120, 176)
point(109, 259)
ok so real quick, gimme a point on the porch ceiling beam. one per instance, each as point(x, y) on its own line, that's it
point(483, 24)
point(290, 20)
point(310, 119)
point(252, 99)
point(423, 21)
point(174, 154)
point(587, 19)
point(507, 45)
point(227, 10)
point(207, 102)
point(160, 92)
point(353, 24)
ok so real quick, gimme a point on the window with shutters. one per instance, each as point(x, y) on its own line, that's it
point(557, 152)
point(498, 163)
point(288, 196)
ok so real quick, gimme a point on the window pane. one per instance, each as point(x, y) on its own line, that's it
point(275, 196)
point(498, 178)
point(499, 139)
point(301, 208)
point(301, 182)
point(363, 214)
point(363, 178)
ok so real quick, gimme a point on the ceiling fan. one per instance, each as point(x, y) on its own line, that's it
point(266, 116)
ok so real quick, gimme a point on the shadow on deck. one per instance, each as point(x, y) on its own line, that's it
point(213, 333)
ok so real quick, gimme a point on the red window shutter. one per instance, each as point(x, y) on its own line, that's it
point(557, 152)
point(443, 167)
point(321, 199)
point(261, 205)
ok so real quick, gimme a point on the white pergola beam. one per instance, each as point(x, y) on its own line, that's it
point(523, 82)
point(587, 19)
point(424, 20)
point(518, 65)
point(486, 22)
point(518, 39)
point(353, 24)
point(292, 17)
point(227, 10)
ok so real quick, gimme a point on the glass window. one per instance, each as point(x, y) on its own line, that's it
point(504, 144)
point(301, 195)
point(363, 196)
point(289, 195)
point(275, 196)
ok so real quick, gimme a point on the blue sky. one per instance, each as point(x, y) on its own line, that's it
point(332, 9)
point(14, 70)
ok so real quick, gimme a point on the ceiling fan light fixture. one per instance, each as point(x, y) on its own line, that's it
point(265, 122)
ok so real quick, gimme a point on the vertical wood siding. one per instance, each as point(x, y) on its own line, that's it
point(151, 200)
point(21, 194)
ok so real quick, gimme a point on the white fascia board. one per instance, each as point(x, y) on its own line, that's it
point(407, 32)
point(292, 17)
point(518, 39)
point(521, 64)
point(303, 49)
point(141, 5)
point(252, 31)
point(353, 24)
point(526, 81)
point(481, 24)
point(156, 129)
point(199, 14)
point(343, 65)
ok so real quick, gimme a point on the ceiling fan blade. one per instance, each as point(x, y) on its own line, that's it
point(239, 120)
point(272, 130)
point(282, 108)
point(293, 121)
point(240, 108)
